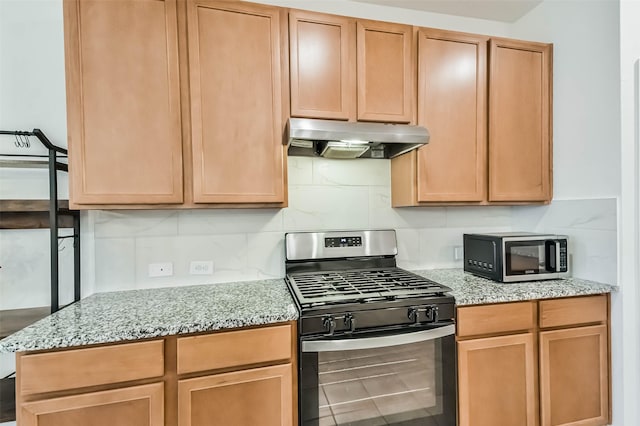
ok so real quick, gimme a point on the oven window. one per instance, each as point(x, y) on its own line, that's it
point(525, 258)
point(398, 385)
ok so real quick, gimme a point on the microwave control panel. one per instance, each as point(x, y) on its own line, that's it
point(563, 256)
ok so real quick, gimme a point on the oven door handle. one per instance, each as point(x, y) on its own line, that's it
point(377, 342)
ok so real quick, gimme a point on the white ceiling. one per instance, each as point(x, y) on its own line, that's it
point(495, 10)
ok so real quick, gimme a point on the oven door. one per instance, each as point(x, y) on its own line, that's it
point(400, 377)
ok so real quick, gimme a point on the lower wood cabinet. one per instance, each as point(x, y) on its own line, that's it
point(574, 376)
point(537, 362)
point(130, 406)
point(496, 384)
point(241, 377)
point(259, 396)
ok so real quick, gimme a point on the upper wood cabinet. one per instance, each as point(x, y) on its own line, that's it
point(123, 102)
point(520, 121)
point(176, 104)
point(348, 69)
point(235, 68)
point(483, 149)
point(452, 87)
point(322, 65)
point(385, 71)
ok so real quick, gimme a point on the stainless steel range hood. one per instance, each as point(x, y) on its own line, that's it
point(341, 139)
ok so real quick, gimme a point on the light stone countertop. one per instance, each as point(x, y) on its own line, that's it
point(142, 314)
point(469, 289)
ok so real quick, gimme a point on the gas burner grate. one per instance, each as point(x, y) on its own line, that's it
point(360, 284)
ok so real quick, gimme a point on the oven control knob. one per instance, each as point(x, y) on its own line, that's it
point(413, 315)
point(329, 324)
point(350, 322)
point(432, 313)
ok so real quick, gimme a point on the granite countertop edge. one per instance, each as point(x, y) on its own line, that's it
point(128, 316)
point(468, 289)
point(132, 315)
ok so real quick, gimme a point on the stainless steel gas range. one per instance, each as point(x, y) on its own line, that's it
point(376, 342)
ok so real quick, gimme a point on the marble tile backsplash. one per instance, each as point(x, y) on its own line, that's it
point(24, 268)
point(248, 244)
point(592, 229)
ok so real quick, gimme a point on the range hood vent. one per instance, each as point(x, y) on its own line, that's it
point(342, 139)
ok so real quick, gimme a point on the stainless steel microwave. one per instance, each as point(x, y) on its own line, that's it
point(516, 256)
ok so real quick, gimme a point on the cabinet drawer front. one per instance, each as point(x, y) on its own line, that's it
point(498, 318)
point(497, 381)
point(131, 406)
point(55, 371)
point(575, 310)
point(258, 396)
point(234, 348)
point(574, 376)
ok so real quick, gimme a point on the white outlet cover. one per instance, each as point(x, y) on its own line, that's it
point(164, 269)
point(458, 253)
point(201, 267)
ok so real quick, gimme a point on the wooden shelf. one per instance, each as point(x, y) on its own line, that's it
point(28, 206)
point(32, 214)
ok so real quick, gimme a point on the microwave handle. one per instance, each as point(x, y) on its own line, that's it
point(552, 255)
point(377, 342)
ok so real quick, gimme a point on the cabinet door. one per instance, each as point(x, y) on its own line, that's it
point(236, 102)
point(574, 376)
point(497, 381)
point(123, 102)
point(385, 63)
point(260, 396)
point(452, 83)
point(133, 406)
point(322, 65)
point(520, 121)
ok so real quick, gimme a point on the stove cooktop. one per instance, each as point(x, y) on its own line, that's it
point(360, 285)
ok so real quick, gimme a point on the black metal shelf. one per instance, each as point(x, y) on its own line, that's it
point(37, 214)
point(52, 213)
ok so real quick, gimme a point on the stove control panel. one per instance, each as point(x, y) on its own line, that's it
point(343, 242)
point(427, 313)
point(330, 322)
point(360, 318)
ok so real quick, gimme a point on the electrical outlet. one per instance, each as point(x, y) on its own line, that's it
point(458, 253)
point(201, 267)
point(164, 269)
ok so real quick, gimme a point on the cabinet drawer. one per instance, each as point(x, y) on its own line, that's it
point(257, 396)
point(498, 318)
point(78, 368)
point(573, 311)
point(136, 405)
point(234, 348)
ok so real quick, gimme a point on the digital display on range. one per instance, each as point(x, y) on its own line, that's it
point(343, 242)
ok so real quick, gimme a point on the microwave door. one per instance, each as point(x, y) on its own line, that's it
point(525, 257)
